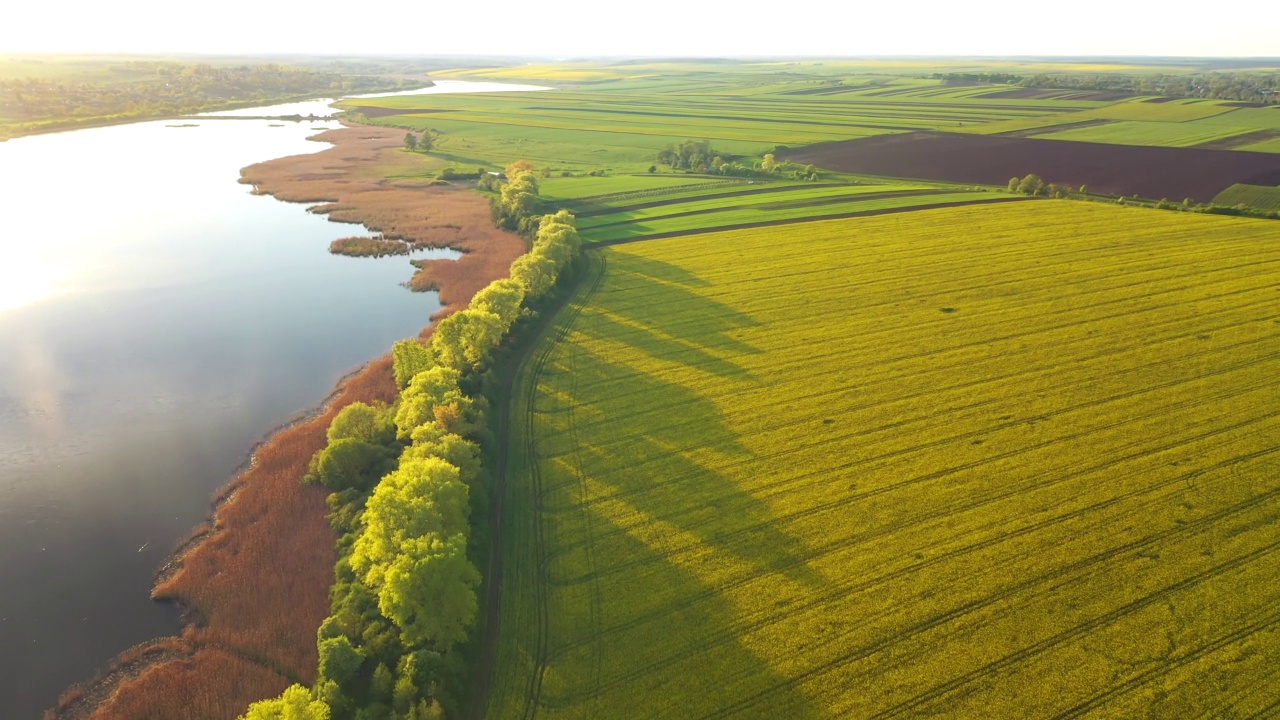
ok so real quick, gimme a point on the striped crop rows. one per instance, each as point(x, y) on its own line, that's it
point(987, 461)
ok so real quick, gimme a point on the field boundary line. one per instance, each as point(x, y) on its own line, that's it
point(792, 221)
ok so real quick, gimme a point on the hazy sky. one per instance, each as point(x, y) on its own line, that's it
point(566, 28)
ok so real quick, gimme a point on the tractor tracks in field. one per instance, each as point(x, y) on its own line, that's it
point(539, 351)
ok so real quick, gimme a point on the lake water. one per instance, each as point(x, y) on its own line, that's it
point(156, 319)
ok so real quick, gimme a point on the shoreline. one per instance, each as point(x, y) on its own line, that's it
point(248, 630)
point(88, 123)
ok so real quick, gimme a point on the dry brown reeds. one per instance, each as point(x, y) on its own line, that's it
point(255, 581)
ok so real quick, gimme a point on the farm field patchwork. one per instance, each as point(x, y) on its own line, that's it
point(1161, 134)
point(1152, 172)
point(642, 115)
point(657, 208)
point(699, 215)
point(1010, 461)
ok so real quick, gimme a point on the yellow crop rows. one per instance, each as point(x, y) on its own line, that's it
point(1015, 461)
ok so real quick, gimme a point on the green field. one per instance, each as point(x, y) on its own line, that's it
point(1009, 461)
point(621, 117)
point(702, 214)
point(1262, 197)
point(1167, 134)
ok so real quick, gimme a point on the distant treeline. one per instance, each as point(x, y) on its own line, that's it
point(1242, 86)
point(1036, 186)
point(152, 88)
point(994, 78)
point(408, 491)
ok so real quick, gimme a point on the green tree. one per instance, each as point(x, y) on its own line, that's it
point(502, 298)
point(536, 272)
point(465, 339)
point(1013, 184)
point(423, 497)
point(294, 704)
point(1031, 185)
point(339, 659)
point(437, 386)
point(410, 142)
point(412, 553)
point(360, 421)
point(410, 357)
point(383, 682)
point(429, 591)
point(433, 440)
point(350, 464)
point(518, 167)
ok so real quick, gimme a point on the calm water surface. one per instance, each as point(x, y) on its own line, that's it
point(155, 321)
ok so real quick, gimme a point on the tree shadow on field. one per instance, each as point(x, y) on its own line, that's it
point(647, 542)
point(653, 644)
point(637, 434)
point(654, 312)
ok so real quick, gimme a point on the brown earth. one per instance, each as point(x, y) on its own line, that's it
point(1151, 172)
point(352, 180)
point(254, 582)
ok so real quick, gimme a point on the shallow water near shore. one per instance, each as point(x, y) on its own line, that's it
point(156, 319)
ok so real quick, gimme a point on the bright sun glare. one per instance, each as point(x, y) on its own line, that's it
point(23, 283)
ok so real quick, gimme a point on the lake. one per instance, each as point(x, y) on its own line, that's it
point(156, 319)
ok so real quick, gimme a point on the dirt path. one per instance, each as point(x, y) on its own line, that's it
point(479, 701)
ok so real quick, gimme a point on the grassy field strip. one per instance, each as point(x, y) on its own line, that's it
point(603, 204)
point(746, 216)
point(1257, 118)
point(1258, 196)
point(471, 144)
point(1159, 112)
point(950, 513)
point(1047, 122)
point(1271, 146)
point(901, 121)
point(774, 199)
point(1163, 134)
point(769, 205)
point(577, 188)
point(693, 124)
point(795, 135)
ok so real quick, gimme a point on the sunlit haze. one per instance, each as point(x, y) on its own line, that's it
point(576, 28)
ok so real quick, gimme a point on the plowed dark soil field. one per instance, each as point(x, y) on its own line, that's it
point(1150, 172)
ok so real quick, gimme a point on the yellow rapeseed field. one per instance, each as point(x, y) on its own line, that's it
point(1014, 461)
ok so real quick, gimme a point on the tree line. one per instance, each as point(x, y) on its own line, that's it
point(406, 488)
point(170, 88)
point(698, 156)
point(1035, 185)
point(1253, 87)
